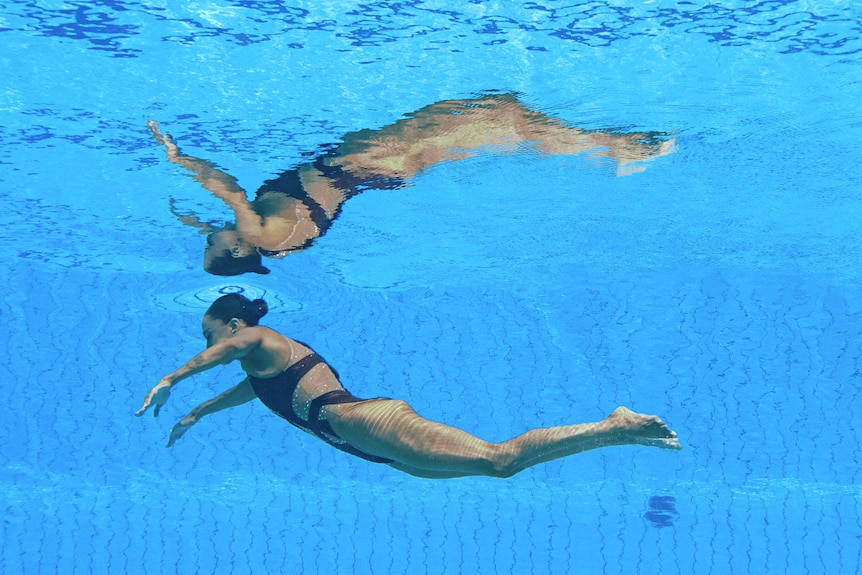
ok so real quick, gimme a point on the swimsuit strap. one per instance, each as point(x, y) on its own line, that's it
point(332, 369)
point(277, 394)
point(328, 398)
point(296, 371)
point(316, 211)
point(290, 184)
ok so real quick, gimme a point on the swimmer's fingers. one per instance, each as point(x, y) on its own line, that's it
point(179, 429)
point(159, 399)
point(145, 406)
point(156, 397)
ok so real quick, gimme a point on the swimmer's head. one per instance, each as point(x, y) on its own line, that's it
point(227, 254)
point(237, 306)
point(228, 314)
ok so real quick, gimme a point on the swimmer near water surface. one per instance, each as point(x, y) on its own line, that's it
point(287, 213)
point(298, 385)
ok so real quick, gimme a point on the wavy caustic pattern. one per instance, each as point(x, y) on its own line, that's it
point(758, 379)
point(718, 288)
point(111, 26)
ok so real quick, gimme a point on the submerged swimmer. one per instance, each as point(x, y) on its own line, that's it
point(289, 212)
point(298, 385)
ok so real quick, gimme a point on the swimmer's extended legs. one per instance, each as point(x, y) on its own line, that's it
point(424, 448)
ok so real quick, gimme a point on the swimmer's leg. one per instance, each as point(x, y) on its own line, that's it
point(622, 427)
point(390, 428)
point(427, 473)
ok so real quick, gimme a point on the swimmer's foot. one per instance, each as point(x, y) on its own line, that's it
point(153, 126)
point(632, 154)
point(630, 428)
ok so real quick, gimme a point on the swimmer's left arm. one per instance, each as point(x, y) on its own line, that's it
point(205, 172)
point(237, 395)
point(221, 184)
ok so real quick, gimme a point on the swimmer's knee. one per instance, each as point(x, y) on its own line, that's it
point(503, 462)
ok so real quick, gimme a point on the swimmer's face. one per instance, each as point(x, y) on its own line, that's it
point(215, 330)
point(226, 242)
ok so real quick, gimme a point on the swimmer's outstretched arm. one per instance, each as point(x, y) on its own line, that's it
point(211, 178)
point(220, 353)
point(237, 395)
point(222, 185)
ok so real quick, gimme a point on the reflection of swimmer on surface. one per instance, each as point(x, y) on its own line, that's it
point(290, 211)
point(297, 384)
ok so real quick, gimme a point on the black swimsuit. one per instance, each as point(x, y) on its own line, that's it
point(277, 394)
point(289, 184)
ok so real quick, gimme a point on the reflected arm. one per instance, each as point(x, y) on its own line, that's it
point(203, 171)
point(222, 185)
point(190, 219)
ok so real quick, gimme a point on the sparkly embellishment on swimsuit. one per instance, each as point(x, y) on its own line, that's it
point(277, 394)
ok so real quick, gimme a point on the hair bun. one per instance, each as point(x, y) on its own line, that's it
point(259, 308)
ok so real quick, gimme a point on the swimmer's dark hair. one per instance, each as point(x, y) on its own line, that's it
point(234, 305)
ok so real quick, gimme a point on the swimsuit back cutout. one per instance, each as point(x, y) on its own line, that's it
point(277, 394)
point(290, 184)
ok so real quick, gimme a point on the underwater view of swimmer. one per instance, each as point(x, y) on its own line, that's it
point(291, 379)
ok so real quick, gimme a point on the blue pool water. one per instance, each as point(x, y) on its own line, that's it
point(720, 287)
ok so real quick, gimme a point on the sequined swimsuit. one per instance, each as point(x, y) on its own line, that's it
point(277, 394)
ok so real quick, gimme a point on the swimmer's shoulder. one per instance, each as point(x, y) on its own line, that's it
point(272, 337)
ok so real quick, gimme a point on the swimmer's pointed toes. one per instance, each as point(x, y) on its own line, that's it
point(665, 442)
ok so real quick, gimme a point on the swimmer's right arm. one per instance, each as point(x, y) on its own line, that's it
point(220, 353)
point(237, 395)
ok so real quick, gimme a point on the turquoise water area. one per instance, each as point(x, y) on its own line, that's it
point(718, 288)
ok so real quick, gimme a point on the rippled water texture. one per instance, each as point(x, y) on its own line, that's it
point(716, 284)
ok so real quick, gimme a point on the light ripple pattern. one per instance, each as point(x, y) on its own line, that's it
point(719, 287)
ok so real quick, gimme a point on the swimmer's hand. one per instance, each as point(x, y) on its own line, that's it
point(180, 428)
point(156, 398)
point(163, 139)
